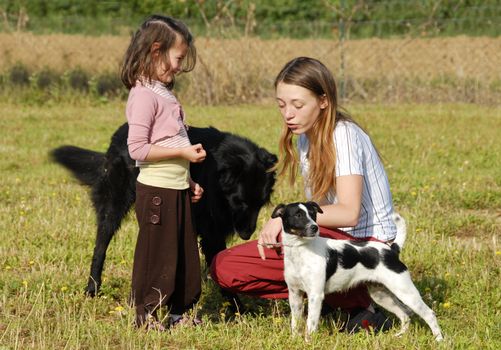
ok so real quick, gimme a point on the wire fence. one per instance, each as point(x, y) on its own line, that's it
point(456, 69)
point(265, 19)
point(388, 61)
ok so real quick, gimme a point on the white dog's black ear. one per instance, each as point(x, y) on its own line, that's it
point(279, 211)
point(315, 206)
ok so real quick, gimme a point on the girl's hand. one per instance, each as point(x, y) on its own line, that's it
point(268, 236)
point(196, 190)
point(194, 153)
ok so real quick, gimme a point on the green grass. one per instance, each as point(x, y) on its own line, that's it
point(444, 167)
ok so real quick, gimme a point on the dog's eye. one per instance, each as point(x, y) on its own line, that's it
point(298, 215)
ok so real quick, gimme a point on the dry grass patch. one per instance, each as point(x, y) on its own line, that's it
point(242, 70)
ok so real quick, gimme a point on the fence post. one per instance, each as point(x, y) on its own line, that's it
point(342, 80)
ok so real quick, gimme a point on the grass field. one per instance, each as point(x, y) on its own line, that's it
point(444, 167)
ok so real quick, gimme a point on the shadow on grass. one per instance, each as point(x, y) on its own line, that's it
point(218, 309)
point(433, 290)
point(115, 288)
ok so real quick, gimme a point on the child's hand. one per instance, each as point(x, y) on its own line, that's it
point(195, 153)
point(196, 191)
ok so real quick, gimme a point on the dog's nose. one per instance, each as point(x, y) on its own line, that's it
point(314, 229)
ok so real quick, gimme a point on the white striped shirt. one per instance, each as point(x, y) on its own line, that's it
point(356, 155)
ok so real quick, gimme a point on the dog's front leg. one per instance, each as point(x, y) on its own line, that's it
point(315, 300)
point(296, 305)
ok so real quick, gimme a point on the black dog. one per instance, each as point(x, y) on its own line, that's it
point(235, 177)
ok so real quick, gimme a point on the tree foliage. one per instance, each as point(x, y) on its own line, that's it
point(261, 17)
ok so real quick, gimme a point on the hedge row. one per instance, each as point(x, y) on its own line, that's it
point(105, 84)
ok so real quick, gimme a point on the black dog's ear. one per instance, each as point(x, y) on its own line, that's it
point(315, 206)
point(279, 211)
point(269, 159)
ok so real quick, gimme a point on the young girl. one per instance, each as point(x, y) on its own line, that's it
point(342, 171)
point(166, 267)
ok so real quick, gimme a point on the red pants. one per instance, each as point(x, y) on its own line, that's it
point(240, 269)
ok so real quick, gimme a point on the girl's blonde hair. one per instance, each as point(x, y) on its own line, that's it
point(138, 62)
point(311, 74)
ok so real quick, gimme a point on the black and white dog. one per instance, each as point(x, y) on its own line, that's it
point(318, 266)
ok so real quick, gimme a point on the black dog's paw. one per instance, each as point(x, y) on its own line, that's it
point(92, 288)
point(236, 306)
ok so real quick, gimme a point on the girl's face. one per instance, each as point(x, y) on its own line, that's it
point(175, 57)
point(299, 107)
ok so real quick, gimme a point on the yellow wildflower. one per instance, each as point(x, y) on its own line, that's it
point(119, 308)
point(277, 320)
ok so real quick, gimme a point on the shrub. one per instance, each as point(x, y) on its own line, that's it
point(47, 78)
point(19, 75)
point(109, 84)
point(79, 79)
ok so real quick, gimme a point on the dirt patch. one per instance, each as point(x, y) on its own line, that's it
point(476, 236)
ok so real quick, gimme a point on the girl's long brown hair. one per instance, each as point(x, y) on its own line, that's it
point(138, 62)
point(311, 74)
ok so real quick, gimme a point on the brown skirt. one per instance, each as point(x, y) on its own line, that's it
point(166, 268)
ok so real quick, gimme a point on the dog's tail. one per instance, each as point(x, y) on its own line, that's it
point(86, 165)
point(398, 244)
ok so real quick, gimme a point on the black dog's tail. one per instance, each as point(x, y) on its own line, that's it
point(86, 165)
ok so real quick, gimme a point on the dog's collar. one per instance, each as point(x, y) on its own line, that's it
point(275, 245)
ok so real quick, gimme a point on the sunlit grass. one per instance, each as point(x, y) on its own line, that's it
point(445, 172)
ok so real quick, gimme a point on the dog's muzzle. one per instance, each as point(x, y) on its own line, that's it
point(311, 231)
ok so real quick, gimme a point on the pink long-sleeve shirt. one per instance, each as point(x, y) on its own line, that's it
point(151, 117)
